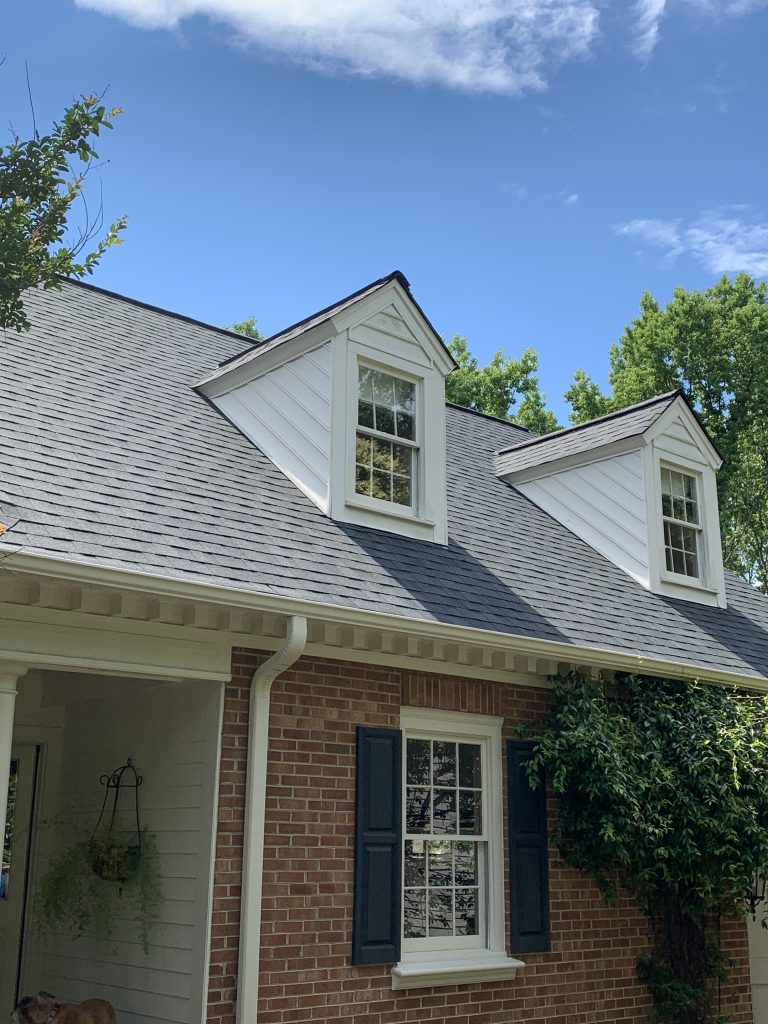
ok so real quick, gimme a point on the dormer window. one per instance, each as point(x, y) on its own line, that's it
point(682, 522)
point(638, 485)
point(350, 405)
point(385, 444)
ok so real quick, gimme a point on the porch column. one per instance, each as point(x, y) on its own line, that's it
point(9, 677)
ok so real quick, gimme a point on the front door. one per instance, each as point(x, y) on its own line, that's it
point(15, 871)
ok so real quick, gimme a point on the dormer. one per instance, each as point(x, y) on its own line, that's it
point(638, 486)
point(350, 405)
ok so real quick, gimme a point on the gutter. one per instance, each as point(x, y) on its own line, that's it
point(232, 597)
point(255, 816)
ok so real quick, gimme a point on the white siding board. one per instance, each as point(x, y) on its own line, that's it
point(604, 504)
point(287, 414)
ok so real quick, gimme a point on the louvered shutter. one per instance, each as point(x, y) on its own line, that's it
point(378, 834)
point(528, 873)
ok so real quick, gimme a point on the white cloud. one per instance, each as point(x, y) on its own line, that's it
point(498, 46)
point(572, 199)
point(648, 14)
point(495, 46)
point(724, 240)
point(664, 234)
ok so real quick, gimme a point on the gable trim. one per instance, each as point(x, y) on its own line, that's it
point(682, 407)
point(327, 324)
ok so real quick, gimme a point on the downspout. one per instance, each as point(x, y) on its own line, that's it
point(255, 815)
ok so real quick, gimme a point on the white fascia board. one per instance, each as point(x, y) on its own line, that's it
point(224, 380)
point(231, 597)
point(598, 454)
point(681, 408)
point(393, 291)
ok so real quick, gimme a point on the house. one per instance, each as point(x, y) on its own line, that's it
point(314, 604)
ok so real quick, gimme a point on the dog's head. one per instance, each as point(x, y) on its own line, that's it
point(39, 1009)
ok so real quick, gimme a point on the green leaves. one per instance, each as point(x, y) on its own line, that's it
point(247, 328)
point(38, 187)
point(506, 387)
point(663, 791)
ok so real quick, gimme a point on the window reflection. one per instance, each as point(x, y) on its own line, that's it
point(441, 872)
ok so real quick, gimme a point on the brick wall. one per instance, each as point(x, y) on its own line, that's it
point(588, 977)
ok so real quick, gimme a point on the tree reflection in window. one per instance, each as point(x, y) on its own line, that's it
point(444, 839)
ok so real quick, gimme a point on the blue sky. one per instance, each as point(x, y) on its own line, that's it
point(532, 166)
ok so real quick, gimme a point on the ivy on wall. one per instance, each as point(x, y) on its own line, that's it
point(663, 792)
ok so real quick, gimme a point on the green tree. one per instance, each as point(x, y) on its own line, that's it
point(714, 346)
point(506, 387)
point(38, 188)
point(247, 328)
point(663, 792)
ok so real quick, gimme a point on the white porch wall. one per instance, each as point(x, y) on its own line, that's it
point(171, 733)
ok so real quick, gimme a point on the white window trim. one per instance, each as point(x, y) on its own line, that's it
point(455, 966)
point(709, 586)
point(426, 519)
point(698, 528)
point(417, 482)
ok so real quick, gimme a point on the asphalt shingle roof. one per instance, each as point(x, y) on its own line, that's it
point(109, 457)
point(585, 437)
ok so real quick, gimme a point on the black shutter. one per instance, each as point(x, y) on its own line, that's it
point(376, 922)
point(528, 874)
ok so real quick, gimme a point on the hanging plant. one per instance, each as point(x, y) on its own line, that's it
point(97, 879)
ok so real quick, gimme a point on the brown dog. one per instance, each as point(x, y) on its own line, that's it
point(45, 1009)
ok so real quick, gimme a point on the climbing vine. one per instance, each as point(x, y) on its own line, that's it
point(663, 792)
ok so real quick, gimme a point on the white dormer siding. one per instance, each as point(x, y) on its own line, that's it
point(604, 504)
point(296, 398)
point(287, 414)
point(603, 481)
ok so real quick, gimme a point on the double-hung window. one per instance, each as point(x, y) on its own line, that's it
point(445, 847)
point(682, 523)
point(452, 877)
point(386, 444)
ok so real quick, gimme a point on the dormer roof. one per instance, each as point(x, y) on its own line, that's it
point(326, 321)
point(614, 432)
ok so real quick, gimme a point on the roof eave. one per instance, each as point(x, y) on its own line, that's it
point(165, 586)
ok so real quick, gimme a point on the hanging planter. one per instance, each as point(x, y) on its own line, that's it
point(113, 853)
point(103, 876)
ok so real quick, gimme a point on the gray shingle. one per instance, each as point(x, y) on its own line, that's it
point(110, 457)
point(583, 438)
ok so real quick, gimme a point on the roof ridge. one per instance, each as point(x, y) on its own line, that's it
point(598, 419)
point(89, 286)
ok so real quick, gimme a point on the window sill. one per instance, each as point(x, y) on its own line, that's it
point(687, 582)
point(469, 971)
point(391, 510)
